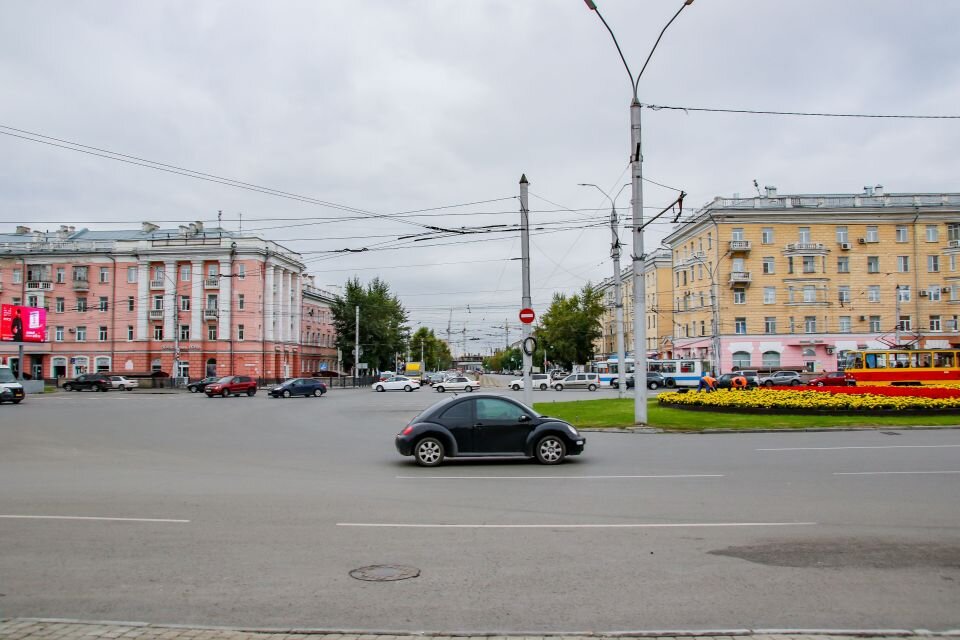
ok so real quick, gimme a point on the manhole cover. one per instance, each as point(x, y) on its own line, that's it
point(384, 572)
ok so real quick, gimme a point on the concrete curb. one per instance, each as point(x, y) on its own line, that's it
point(649, 430)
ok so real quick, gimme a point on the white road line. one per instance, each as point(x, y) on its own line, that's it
point(19, 517)
point(890, 473)
point(551, 477)
point(894, 446)
point(575, 526)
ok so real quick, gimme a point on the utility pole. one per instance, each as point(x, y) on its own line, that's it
point(356, 343)
point(526, 302)
point(639, 286)
point(896, 318)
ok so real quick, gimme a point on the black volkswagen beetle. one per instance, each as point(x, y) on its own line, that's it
point(486, 425)
point(299, 387)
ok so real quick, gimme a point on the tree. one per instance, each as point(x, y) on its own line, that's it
point(436, 353)
point(570, 326)
point(382, 319)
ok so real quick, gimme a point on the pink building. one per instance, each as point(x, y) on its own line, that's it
point(190, 302)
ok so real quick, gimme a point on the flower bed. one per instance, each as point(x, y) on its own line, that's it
point(819, 399)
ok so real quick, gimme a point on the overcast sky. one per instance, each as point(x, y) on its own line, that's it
point(389, 106)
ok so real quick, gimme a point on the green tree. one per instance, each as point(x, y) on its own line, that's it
point(436, 353)
point(570, 326)
point(382, 323)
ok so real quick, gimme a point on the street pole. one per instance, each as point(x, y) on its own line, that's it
point(896, 318)
point(356, 343)
point(526, 302)
point(639, 286)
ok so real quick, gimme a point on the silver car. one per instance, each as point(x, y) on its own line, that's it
point(578, 381)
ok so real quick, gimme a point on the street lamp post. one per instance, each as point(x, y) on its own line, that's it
point(636, 170)
point(617, 291)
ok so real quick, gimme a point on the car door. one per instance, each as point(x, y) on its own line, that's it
point(459, 420)
point(499, 427)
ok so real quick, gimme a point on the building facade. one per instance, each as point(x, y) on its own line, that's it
point(190, 302)
point(794, 281)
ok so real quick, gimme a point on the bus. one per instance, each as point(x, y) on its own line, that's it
point(684, 372)
point(903, 367)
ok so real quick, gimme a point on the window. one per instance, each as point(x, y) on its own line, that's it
point(709, 241)
point(33, 301)
point(184, 303)
point(213, 270)
point(240, 332)
point(905, 323)
point(17, 276)
point(184, 332)
point(843, 264)
point(740, 326)
point(60, 305)
point(16, 302)
point(104, 303)
point(155, 365)
point(211, 301)
point(158, 273)
point(768, 265)
point(903, 264)
point(741, 359)
point(903, 293)
point(59, 334)
point(933, 264)
point(131, 303)
point(875, 324)
point(809, 293)
point(81, 304)
point(739, 296)
point(872, 234)
point(80, 274)
point(61, 275)
point(873, 293)
point(102, 334)
point(803, 234)
point(158, 303)
point(184, 273)
point(703, 327)
point(211, 332)
point(842, 234)
point(933, 233)
point(873, 264)
point(700, 272)
point(129, 332)
point(935, 323)
point(770, 324)
point(769, 295)
point(809, 264)
point(844, 293)
point(736, 234)
point(497, 410)
point(902, 234)
point(771, 359)
point(953, 292)
point(241, 271)
point(789, 264)
point(158, 332)
point(131, 274)
point(845, 325)
point(766, 235)
point(81, 334)
point(953, 231)
point(810, 324)
point(240, 301)
point(953, 262)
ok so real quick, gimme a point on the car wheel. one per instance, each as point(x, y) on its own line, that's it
point(225, 393)
point(192, 389)
point(407, 388)
point(440, 389)
point(379, 388)
point(317, 393)
point(104, 388)
point(768, 383)
point(286, 393)
point(515, 387)
point(819, 384)
point(558, 387)
point(18, 401)
point(68, 387)
point(670, 382)
point(794, 383)
point(653, 385)
point(123, 388)
point(543, 387)
point(251, 393)
point(592, 387)
point(468, 388)
point(428, 452)
point(550, 450)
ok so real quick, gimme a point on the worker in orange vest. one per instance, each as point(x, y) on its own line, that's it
point(738, 382)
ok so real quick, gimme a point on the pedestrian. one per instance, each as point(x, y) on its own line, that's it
point(738, 382)
point(711, 382)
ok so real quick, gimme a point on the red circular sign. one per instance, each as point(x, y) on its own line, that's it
point(526, 316)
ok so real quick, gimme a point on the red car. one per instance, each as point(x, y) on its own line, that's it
point(834, 379)
point(232, 386)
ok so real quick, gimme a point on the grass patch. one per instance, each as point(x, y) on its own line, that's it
point(619, 413)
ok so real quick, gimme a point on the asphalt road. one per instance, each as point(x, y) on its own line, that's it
point(253, 511)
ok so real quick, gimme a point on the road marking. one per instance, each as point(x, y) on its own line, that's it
point(551, 477)
point(19, 517)
point(576, 526)
point(889, 473)
point(893, 446)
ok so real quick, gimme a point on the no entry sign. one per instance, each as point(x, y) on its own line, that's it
point(527, 316)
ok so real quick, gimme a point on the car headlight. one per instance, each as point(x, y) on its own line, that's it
point(573, 432)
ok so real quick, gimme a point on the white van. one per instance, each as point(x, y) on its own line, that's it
point(10, 389)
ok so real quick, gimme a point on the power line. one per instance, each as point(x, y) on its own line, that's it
point(657, 107)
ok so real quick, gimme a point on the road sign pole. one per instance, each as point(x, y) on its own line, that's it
point(527, 302)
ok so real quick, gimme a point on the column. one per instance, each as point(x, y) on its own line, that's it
point(275, 304)
point(226, 328)
point(297, 307)
point(286, 311)
point(196, 301)
point(268, 309)
point(143, 298)
point(169, 299)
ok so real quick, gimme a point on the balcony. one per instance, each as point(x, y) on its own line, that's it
point(210, 314)
point(953, 244)
point(806, 247)
point(81, 285)
point(156, 284)
point(212, 283)
point(696, 256)
point(740, 246)
point(39, 285)
point(156, 314)
point(740, 277)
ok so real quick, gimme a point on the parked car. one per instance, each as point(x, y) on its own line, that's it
point(232, 386)
point(751, 375)
point(579, 381)
point(95, 381)
point(781, 379)
point(558, 374)
point(299, 387)
point(457, 383)
point(540, 381)
point(834, 379)
point(201, 385)
point(486, 425)
point(123, 384)
point(397, 383)
point(385, 375)
point(10, 388)
point(654, 381)
point(725, 381)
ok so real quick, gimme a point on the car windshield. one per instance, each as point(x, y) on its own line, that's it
point(6, 375)
point(225, 379)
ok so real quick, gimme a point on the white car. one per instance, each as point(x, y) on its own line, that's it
point(123, 384)
point(540, 381)
point(457, 383)
point(397, 383)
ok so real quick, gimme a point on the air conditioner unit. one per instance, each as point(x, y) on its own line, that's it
point(72, 330)
point(945, 290)
point(861, 240)
point(923, 294)
point(863, 318)
point(846, 246)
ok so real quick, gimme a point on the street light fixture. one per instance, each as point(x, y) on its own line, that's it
point(636, 165)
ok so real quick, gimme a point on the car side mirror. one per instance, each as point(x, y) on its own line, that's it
point(524, 418)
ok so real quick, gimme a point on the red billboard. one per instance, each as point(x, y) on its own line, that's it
point(22, 324)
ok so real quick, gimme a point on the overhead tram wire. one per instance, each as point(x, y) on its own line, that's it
point(812, 114)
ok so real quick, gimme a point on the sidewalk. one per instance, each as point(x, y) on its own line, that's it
point(54, 629)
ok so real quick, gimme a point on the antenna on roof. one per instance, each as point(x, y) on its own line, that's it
point(756, 186)
point(220, 218)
